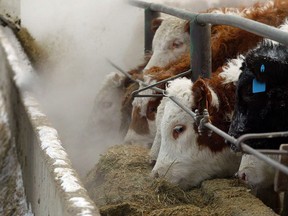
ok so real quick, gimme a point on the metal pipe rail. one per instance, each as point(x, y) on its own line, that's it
point(200, 32)
point(239, 143)
point(219, 19)
point(136, 92)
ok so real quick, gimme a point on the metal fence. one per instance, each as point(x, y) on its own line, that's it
point(200, 32)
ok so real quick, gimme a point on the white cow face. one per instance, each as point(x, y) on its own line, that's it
point(106, 113)
point(181, 159)
point(256, 173)
point(142, 128)
point(170, 42)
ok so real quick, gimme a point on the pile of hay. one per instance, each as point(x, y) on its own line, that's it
point(120, 185)
point(35, 52)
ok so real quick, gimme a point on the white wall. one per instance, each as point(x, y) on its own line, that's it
point(11, 7)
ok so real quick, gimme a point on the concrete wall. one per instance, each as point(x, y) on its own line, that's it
point(52, 186)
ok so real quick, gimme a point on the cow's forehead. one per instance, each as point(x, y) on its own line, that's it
point(181, 88)
point(232, 70)
point(169, 28)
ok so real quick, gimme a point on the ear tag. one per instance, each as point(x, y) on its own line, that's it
point(257, 86)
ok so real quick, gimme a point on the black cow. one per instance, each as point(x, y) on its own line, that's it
point(262, 95)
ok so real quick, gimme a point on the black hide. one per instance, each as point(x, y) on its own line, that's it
point(265, 111)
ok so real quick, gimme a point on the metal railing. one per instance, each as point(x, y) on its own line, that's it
point(200, 29)
point(200, 32)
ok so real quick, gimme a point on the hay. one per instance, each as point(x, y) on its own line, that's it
point(35, 52)
point(120, 185)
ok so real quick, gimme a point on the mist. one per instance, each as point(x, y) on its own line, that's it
point(79, 36)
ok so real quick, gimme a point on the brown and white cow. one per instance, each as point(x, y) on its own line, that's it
point(184, 157)
point(227, 42)
point(113, 106)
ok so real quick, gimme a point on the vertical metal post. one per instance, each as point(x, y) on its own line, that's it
point(149, 34)
point(200, 50)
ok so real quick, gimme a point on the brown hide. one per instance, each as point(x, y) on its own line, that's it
point(139, 123)
point(152, 108)
point(218, 117)
point(128, 87)
point(228, 42)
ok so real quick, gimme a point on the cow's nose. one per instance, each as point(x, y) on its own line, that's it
point(152, 162)
point(242, 176)
point(155, 174)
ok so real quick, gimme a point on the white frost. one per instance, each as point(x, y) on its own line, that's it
point(68, 180)
point(50, 143)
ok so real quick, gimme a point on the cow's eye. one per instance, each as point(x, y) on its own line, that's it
point(177, 44)
point(178, 130)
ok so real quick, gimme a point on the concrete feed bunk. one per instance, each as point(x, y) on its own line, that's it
point(52, 187)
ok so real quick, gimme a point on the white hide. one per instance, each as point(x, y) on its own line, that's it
point(178, 160)
point(132, 137)
point(230, 74)
point(255, 172)
point(157, 140)
point(182, 161)
point(106, 118)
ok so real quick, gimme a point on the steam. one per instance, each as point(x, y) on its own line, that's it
point(78, 36)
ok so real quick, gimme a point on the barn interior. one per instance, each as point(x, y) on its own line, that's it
point(68, 44)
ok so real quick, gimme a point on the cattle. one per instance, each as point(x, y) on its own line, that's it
point(184, 157)
point(227, 42)
point(261, 106)
point(262, 95)
point(259, 177)
point(112, 106)
point(171, 40)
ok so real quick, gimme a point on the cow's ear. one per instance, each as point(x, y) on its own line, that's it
point(187, 27)
point(117, 79)
point(155, 24)
point(202, 94)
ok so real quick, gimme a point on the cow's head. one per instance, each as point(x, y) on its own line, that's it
point(107, 104)
point(170, 42)
point(142, 127)
point(256, 173)
point(182, 159)
point(262, 95)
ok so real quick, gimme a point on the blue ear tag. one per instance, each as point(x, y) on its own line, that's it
point(257, 86)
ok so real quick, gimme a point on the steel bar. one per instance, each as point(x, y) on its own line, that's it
point(200, 49)
point(149, 34)
point(268, 160)
point(135, 80)
point(245, 137)
point(220, 132)
point(121, 70)
point(162, 81)
point(219, 19)
point(268, 151)
point(281, 180)
point(151, 95)
point(186, 109)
